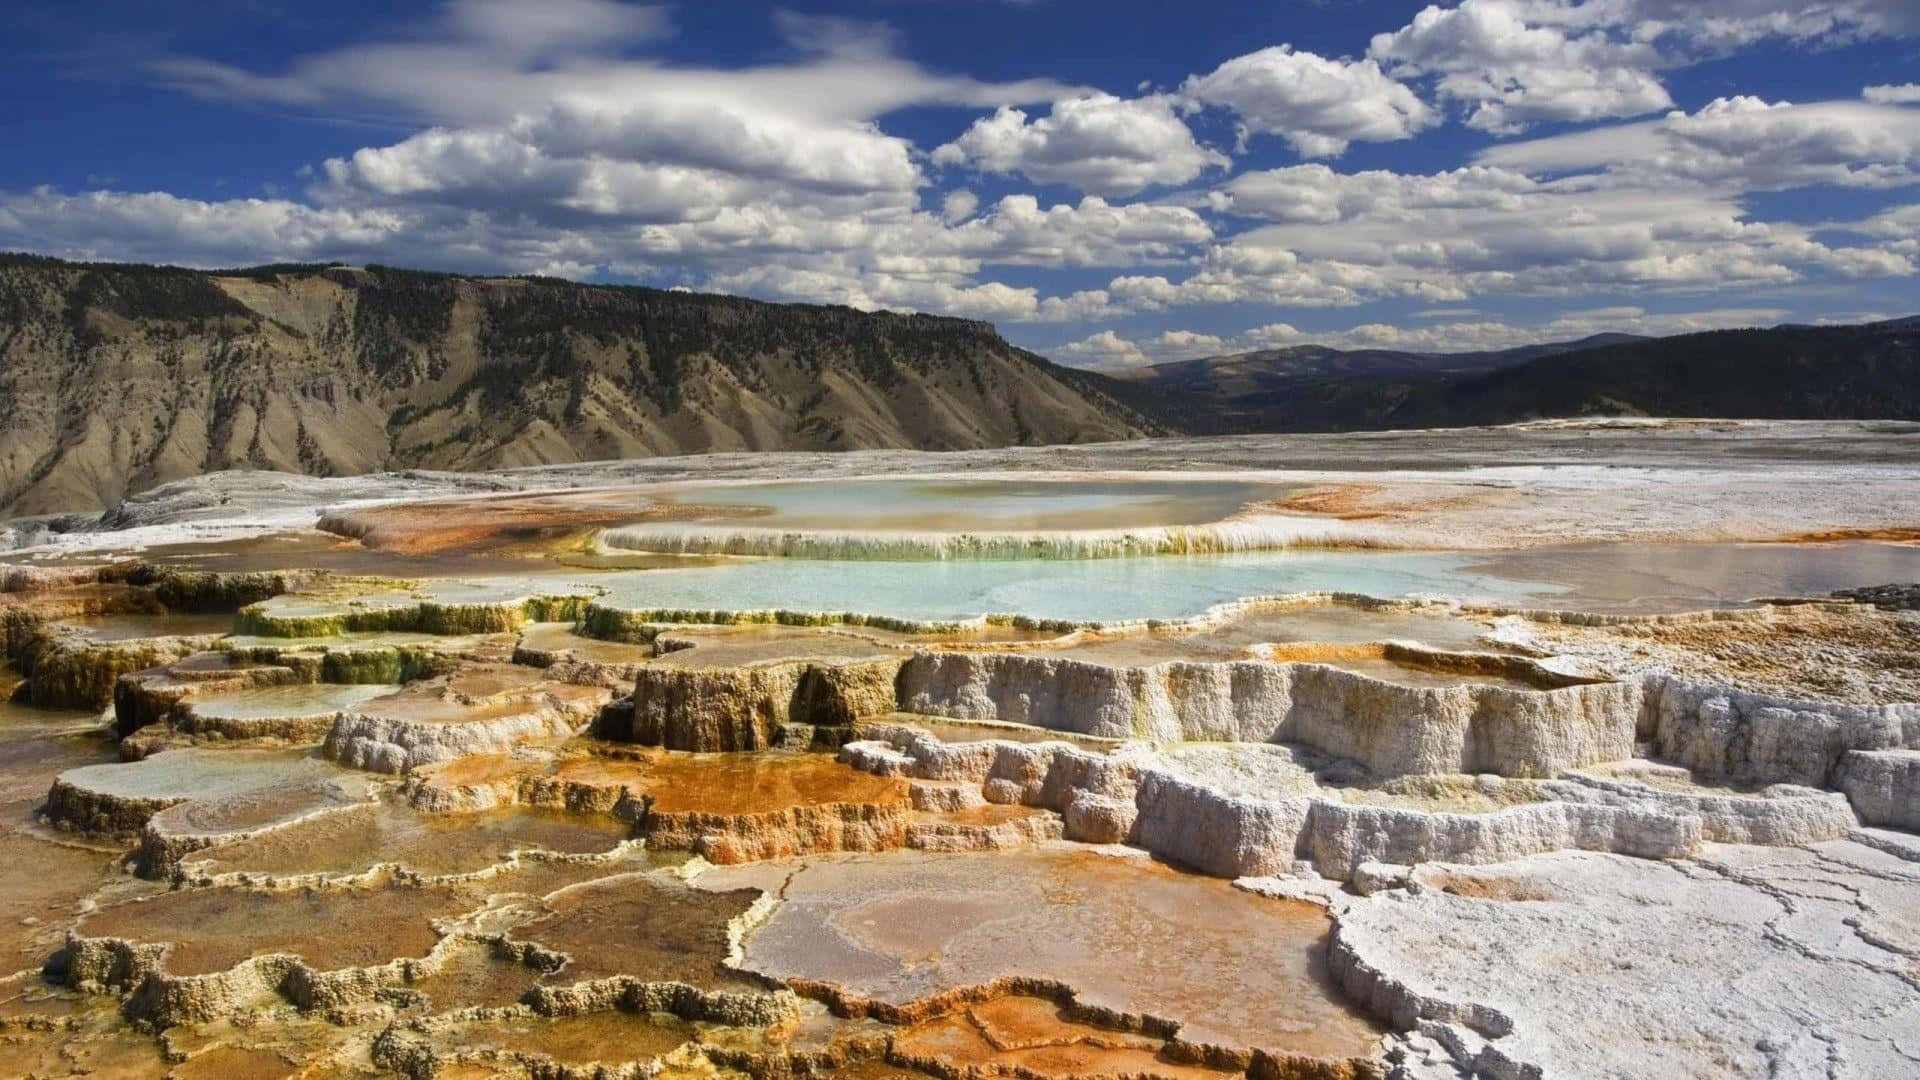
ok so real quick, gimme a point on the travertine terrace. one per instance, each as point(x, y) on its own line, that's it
point(1187, 759)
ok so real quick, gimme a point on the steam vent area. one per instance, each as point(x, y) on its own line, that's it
point(1568, 749)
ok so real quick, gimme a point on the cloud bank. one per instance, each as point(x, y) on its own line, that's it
point(568, 138)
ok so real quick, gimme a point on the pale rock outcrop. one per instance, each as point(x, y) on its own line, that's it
point(1373, 877)
point(1580, 813)
point(1386, 727)
point(392, 744)
point(1783, 815)
point(1013, 831)
point(477, 711)
point(1092, 792)
point(1099, 819)
point(119, 798)
point(944, 796)
point(1044, 774)
point(1093, 699)
point(179, 830)
point(1254, 812)
point(1884, 787)
point(1594, 965)
point(1761, 738)
point(1222, 835)
point(1340, 838)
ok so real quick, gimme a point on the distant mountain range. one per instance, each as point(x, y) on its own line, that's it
point(116, 378)
point(1248, 372)
point(1869, 371)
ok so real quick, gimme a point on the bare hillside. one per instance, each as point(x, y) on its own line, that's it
point(118, 378)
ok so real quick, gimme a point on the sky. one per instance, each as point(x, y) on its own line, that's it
point(1112, 184)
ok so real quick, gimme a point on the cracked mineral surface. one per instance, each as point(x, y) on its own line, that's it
point(1178, 760)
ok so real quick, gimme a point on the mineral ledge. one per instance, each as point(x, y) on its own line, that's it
point(272, 814)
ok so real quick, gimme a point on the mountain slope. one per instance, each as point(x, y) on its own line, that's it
point(1784, 373)
point(1270, 369)
point(114, 379)
point(119, 378)
point(1787, 372)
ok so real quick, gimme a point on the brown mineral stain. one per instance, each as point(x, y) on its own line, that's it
point(234, 1063)
point(1901, 534)
point(757, 783)
point(1029, 1037)
point(477, 771)
point(535, 522)
point(647, 926)
point(350, 841)
point(211, 930)
point(610, 1038)
point(41, 891)
point(116, 1054)
point(1489, 886)
point(1127, 934)
point(471, 974)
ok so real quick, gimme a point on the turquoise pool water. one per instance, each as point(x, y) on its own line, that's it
point(1100, 590)
point(1620, 578)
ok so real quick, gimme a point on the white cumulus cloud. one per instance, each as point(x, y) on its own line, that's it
point(1512, 71)
point(1317, 104)
point(1903, 94)
point(1107, 349)
point(1098, 143)
point(1515, 63)
point(1740, 143)
point(562, 138)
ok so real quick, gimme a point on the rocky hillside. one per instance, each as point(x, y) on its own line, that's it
point(1249, 373)
point(117, 378)
point(1783, 373)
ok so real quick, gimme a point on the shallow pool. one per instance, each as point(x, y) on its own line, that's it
point(1096, 590)
point(1625, 578)
point(1616, 578)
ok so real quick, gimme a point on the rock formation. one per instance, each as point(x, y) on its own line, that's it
point(528, 823)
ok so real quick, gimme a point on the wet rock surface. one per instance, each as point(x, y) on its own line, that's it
point(1888, 597)
point(279, 821)
point(475, 710)
point(898, 933)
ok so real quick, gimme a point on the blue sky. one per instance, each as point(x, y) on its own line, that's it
point(1113, 184)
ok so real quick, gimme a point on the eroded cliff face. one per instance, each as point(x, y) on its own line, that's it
point(119, 378)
